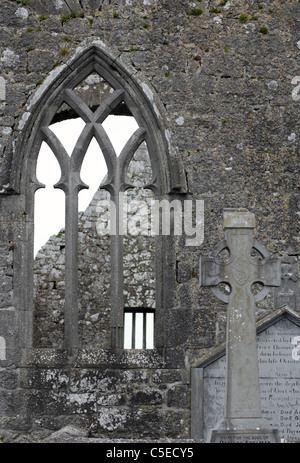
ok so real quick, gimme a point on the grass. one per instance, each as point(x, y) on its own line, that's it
point(64, 51)
point(42, 17)
point(66, 17)
point(263, 30)
point(194, 11)
point(243, 18)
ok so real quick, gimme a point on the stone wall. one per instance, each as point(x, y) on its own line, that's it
point(225, 73)
point(133, 395)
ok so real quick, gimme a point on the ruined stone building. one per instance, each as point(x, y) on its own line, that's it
point(213, 88)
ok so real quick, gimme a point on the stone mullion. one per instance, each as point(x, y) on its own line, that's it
point(117, 299)
point(71, 184)
point(107, 107)
point(71, 339)
point(76, 103)
point(72, 188)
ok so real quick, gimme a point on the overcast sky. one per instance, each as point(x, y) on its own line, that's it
point(49, 201)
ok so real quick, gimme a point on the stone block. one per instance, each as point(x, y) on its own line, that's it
point(146, 396)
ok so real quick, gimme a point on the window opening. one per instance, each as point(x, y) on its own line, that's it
point(49, 202)
point(139, 253)
point(119, 129)
point(69, 100)
point(138, 328)
point(68, 132)
point(138, 241)
point(92, 173)
point(93, 90)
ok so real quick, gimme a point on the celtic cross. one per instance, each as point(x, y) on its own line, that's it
point(240, 271)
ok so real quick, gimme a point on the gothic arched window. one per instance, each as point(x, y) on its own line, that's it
point(140, 170)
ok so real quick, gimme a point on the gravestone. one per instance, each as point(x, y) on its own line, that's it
point(242, 416)
point(278, 342)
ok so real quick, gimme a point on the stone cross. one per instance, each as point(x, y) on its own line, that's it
point(288, 293)
point(239, 272)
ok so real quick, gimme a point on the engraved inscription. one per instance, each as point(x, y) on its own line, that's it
point(279, 372)
point(246, 438)
point(296, 350)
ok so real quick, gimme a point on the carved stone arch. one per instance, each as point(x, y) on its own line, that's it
point(168, 176)
point(141, 100)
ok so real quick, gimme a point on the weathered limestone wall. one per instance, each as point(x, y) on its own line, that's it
point(227, 79)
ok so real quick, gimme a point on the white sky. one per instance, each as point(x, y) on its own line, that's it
point(49, 201)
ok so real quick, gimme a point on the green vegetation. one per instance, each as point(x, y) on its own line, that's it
point(194, 11)
point(42, 17)
point(66, 17)
point(64, 50)
point(243, 18)
point(263, 30)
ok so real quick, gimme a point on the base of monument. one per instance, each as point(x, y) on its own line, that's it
point(240, 431)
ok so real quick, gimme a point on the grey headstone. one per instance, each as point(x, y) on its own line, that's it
point(279, 376)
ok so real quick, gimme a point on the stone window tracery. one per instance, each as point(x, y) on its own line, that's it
point(128, 254)
point(114, 92)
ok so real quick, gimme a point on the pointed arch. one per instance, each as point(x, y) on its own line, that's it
point(167, 176)
point(140, 99)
